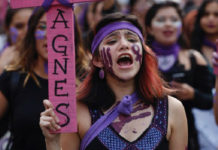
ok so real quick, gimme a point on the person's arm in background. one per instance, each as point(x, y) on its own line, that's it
point(199, 94)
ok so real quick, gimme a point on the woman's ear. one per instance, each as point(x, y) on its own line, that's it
point(97, 61)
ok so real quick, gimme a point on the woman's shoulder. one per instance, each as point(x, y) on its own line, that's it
point(176, 111)
point(174, 104)
point(200, 60)
point(82, 111)
point(83, 118)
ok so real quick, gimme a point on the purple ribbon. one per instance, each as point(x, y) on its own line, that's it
point(47, 3)
point(124, 107)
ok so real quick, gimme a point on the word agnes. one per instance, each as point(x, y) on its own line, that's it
point(61, 61)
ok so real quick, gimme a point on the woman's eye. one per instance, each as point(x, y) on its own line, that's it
point(19, 26)
point(206, 14)
point(132, 40)
point(174, 19)
point(110, 42)
point(42, 27)
point(161, 19)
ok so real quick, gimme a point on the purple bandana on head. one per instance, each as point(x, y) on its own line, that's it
point(167, 55)
point(103, 32)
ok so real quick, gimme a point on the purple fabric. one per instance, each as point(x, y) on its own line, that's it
point(123, 107)
point(209, 43)
point(101, 74)
point(165, 50)
point(47, 3)
point(161, 50)
point(46, 67)
point(112, 27)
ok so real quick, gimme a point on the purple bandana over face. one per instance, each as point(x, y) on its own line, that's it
point(40, 35)
point(13, 34)
point(167, 55)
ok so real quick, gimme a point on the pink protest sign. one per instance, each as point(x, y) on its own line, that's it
point(61, 59)
point(61, 65)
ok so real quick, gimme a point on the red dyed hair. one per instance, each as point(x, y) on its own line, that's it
point(149, 82)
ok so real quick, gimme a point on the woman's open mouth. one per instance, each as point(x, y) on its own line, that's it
point(125, 61)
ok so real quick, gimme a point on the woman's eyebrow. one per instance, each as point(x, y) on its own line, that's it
point(112, 34)
point(131, 34)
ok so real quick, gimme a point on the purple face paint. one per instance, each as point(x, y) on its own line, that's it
point(107, 59)
point(46, 67)
point(40, 34)
point(179, 29)
point(126, 119)
point(136, 51)
point(13, 34)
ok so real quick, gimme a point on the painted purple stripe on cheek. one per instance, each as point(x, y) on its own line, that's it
point(40, 35)
point(109, 56)
point(105, 58)
point(13, 34)
point(136, 51)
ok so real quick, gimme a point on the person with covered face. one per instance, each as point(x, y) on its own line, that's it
point(123, 103)
point(185, 69)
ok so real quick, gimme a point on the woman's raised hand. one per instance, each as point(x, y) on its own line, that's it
point(49, 123)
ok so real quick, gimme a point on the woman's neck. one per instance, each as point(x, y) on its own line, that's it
point(212, 37)
point(121, 88)
point(39, 69)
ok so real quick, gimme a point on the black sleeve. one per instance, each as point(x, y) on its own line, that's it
point(5, 84)
point(4, 88)
point(203, 84)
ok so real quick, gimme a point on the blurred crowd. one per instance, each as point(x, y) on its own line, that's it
point(182, 34)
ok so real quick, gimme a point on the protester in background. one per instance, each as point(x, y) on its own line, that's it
point(15, 25)
point(206, 30)
point(121, 61)
point(92, 14)
point(15, 28)
point(185, 69)
point(24, 85)
point(139, 9)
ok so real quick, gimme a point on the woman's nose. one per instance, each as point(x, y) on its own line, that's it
point(124, 44)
